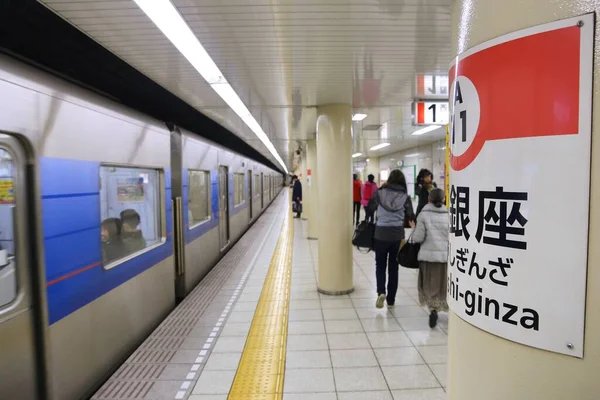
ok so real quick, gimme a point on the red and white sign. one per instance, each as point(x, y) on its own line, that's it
point(519, 197)
point(431, 113)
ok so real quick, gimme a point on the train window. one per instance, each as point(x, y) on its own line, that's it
point(198, 197)
point(130, 204)
point(238, 189)
point(8, 277)
point(256, 185)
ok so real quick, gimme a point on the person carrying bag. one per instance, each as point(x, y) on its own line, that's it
point(394, 208)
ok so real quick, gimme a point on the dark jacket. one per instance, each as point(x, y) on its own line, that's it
point(393, 207)
point(133, 241)
point(424, 195)
point(297, 191)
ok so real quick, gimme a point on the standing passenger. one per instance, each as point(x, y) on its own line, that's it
point(432, 232)
point(393, 208)
point(369, 188)
point(133, 239)
point(425, 185)
point(112, 244)
point(356, 197)
point(297, 196)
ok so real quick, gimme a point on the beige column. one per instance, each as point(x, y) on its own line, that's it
point(484, 366)
point(334, 164)
point(312, 189)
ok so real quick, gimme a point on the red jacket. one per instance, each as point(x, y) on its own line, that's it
point(356, 188)
point(368, 190)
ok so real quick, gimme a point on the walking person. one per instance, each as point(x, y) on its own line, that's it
point(297, 195)
point(425, 185)
point(394, 207)
point(432, 232)
point(369, 188)
point(356, 197)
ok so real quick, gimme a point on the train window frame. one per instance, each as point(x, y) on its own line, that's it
point(208, 199)
point(256, 185)
point(20, 258)
point(239, 191)
point(161, 205)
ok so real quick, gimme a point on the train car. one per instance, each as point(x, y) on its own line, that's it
point(107, 217)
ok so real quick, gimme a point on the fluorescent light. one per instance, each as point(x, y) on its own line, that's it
point(412, 155)
point(166, 17)
point(359, 117)
point(379, 146)
point(356, 155)
point(426, 129)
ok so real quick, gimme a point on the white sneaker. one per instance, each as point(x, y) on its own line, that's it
point(380, 301)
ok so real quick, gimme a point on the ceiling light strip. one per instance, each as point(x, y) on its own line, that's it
point(166, 17)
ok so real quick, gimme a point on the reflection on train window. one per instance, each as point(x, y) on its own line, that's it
point(198, 197)
point(238, 189)
point(256, 185)
point(8, 275)
point(130, 211)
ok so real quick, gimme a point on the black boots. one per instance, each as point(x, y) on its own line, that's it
point(433, 317)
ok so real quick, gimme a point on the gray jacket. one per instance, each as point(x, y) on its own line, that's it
point(432, 233)
point(393, 205)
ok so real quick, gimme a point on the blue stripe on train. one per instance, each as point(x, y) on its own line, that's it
point(71, 224)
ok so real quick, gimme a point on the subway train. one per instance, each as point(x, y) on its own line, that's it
point(107, 218)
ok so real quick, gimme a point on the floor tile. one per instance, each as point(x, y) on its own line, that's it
point(340, 313)
point(230, 344)
point(398, 356)
point(308, 359)
point(428, 337)
point(408, 311)
point(309, 396)
point(208, 397)
point(359, 379)
point(378, 395)
point(305, 327)
point(307, 342)
point(419, 394)
point(214, 382)
point(434, 354)
point(236, 329)
point(410, 377)
point(241, 316)
point(388, 339)
point(380, 325)
point(353, 358)
point(441, 373)
point(336, 303)
point(223, 361)
point(306, 315)
point(308, 380)
point(343, 326)
point(414, 324)
point(305, 304)
point(346, 341)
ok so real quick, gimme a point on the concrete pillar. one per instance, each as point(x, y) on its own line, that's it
point(334, 164)
point(484, 366)
point(312, 189)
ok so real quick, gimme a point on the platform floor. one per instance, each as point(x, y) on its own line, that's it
point(336, 347)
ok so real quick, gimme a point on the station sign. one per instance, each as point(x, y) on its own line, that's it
point(520, 140)
point(431, 112)
point(432, 86)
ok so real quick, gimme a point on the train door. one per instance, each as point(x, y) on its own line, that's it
point(262, 191)
point(22, 326)
point(249, 195)
point(223, 206)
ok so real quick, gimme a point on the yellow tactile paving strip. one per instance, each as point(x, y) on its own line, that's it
point(261, 371)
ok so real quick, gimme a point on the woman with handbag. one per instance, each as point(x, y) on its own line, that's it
point(432, 233)
point(394, 208)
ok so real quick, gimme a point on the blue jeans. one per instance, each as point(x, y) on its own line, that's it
point(385, 257)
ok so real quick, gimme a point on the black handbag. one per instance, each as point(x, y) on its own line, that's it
point(296, 207)
point(408, 256)
point(364, 236)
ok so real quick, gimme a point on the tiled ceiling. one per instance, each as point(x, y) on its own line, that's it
point(285, 57)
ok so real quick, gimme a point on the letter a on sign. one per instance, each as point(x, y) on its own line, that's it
point(519, 103)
